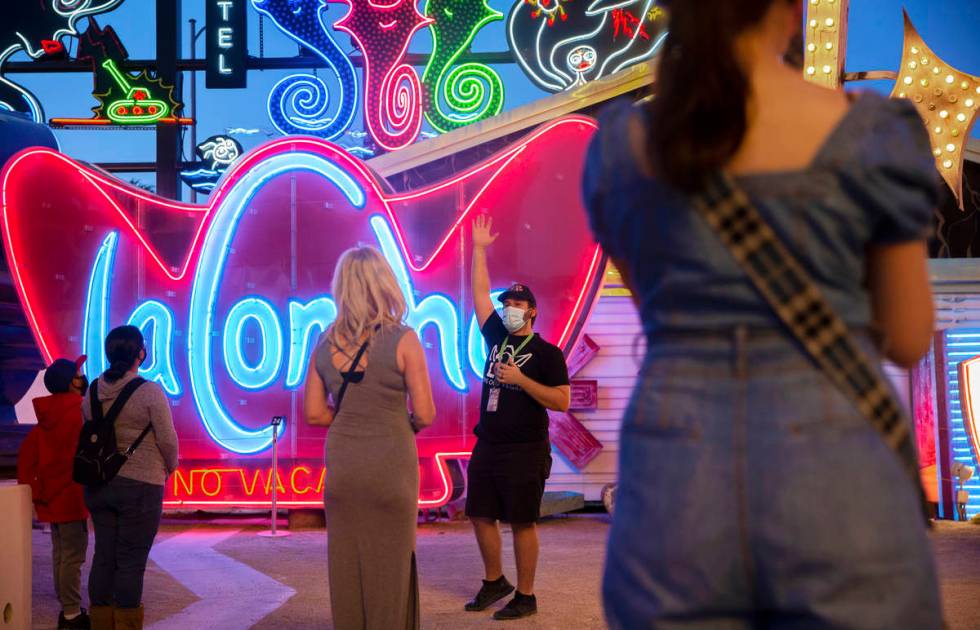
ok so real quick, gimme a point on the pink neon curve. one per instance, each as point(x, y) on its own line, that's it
point(243, 166)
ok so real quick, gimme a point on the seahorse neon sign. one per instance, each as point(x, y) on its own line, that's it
point(392, 91)
point(231, 295)
point(472, 91)
point(301, 103)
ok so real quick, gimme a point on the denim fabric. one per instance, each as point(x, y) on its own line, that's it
point(69, 542)
point(753, 494)
point(874, 181)
point(126, 515)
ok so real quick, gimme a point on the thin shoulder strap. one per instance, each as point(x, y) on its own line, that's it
point(94, 405)
point(802, 308)
point(117, 405)
point(347, 376)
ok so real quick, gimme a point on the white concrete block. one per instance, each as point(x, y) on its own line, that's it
point(15, 556)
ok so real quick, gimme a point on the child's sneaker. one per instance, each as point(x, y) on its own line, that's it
point(81, 621)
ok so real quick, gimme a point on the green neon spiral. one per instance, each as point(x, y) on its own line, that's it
point(472, 91)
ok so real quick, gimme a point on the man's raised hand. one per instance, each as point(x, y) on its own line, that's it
point(482, 225)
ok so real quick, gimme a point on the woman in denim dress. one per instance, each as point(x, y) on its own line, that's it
point(752, 492)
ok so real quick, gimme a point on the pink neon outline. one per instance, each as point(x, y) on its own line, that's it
point(339, 24)
point(239, 169)
point(387, 27)
point(441, 466)
point(596, 257)
point(499, 163)
point(8, 245)
point(966, 405)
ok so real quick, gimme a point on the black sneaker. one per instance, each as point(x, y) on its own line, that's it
point(81, 621)
point(490, 593)
point(521, 606)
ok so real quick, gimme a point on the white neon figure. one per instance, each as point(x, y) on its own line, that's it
point(221, 151)
point(580, 61)
point(548, 65)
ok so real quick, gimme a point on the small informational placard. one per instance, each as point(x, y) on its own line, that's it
point(570, 438)
point(585, 395)
point(227, 44)
point(581, 354)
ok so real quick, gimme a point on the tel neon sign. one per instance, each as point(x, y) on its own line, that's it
point(232, 295)
point(226, 47)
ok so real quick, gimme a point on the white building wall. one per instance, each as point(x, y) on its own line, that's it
point(615, 327)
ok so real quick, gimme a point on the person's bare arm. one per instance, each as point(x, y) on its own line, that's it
point(411, 360)
point(480, 275)
point(901, 300)
point(316, 410)
point(554, 398)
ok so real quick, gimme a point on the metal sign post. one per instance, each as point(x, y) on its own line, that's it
point(277, 421)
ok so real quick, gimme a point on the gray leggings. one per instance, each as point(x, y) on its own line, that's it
point(69, 542)
point(126, 515)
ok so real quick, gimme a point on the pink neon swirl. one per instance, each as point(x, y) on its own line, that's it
point(400, 106)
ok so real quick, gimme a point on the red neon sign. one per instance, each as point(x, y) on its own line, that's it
point(89, 252)
point(299, 486)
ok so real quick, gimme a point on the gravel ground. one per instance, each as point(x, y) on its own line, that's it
point(450, 571)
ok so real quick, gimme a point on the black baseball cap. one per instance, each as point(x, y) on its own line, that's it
point(58, 376)
point(518, 291)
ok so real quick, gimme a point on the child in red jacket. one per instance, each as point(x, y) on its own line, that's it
point(45, 463)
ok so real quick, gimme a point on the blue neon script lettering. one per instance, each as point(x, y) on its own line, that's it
point(252, 350)
point(270, 332)
point(96, 322)
point(305, 319)
point(437, 310)
point(156, 321)
point(219, 424)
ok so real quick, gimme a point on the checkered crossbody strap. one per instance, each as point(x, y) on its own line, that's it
point(802, 308)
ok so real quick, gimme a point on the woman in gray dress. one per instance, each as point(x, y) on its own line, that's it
point(371, 493)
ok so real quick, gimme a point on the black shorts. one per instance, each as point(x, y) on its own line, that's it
point(505, 482)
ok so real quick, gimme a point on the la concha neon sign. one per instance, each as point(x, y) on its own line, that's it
point(232, 295)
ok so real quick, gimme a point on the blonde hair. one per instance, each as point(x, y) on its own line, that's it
point(367, 296)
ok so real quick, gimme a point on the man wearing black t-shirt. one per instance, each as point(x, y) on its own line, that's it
point(523, 378)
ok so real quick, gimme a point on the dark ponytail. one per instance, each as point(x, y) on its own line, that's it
point(122, 348)
point(698, 119)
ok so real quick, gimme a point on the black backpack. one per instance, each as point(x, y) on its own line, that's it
point(97, 459)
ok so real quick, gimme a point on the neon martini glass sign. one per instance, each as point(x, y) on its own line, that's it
point(137, 107)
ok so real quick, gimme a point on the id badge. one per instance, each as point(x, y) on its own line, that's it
point(493, 399)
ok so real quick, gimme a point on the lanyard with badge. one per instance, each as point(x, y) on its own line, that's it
point(493, 398)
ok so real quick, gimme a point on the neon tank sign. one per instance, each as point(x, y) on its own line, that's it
point(231, 295)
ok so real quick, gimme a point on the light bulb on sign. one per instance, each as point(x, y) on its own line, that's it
point(826, 40)
point(937, 103)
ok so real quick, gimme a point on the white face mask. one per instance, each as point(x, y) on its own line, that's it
point(513, 318)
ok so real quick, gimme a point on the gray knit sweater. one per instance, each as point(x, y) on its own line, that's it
point(156, 457)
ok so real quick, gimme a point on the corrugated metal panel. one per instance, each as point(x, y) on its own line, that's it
point(616, 327)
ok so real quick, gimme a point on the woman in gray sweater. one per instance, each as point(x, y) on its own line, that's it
point(126, 511)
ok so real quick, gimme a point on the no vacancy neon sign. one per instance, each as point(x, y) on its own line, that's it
point(232, 295)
